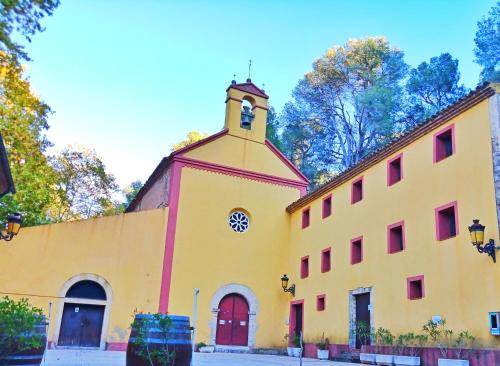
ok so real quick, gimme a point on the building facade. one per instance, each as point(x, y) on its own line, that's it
point(385, 242)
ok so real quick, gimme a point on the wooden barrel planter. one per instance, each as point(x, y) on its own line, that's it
point(146, 333)
point(30, 357)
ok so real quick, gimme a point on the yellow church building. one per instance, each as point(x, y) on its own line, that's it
point(386, 242)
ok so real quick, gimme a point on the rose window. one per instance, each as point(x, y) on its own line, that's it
point(239, 221)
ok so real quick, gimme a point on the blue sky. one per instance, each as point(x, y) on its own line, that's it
point(130, 78)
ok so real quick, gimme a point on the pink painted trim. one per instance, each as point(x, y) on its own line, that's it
point(304, 267)
point(412, 279)
point(359, 238)
point(324, 213)
point(201, 142)
point(285, 160)
point(291, 319)
point(360, 179)
point(175, 185)
point(223, 169)
point(306, 217)
point(400, 157)
point(434, 142)
point(318, 298)
point(116, 346)
point(389, 227)
point(323, 267)
point(453, 204)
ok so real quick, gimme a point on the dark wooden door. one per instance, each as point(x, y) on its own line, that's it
point(81, 325)
point(362, 313)
point(232, 321)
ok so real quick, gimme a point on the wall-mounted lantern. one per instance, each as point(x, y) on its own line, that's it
point(284, 285)
point(14, 222)
point(477, 237)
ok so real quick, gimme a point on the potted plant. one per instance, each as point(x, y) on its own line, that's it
point(364, 333)
point(323, 346)
point(289, 348)
point(411, 344)
point(449, 347)
point(297, 345)
point(383, 338)
point(204, 348)
point(22, 329)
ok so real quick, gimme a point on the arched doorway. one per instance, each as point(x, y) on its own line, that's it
point(83, 312)
point(232, 321)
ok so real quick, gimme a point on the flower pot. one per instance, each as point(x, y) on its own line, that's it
point(207, 349)
point(368, 358)
point(451, 362)
point(296, 351)
point(406, 361)
point(386, 360)
point(323, 354)
point(289, 351)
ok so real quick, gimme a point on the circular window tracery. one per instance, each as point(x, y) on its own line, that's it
point(239, 221)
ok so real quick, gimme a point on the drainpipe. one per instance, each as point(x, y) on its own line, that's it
point(195, 306)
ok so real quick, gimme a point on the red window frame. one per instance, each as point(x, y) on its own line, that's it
point(444, 230)
point(327, 206)
point(392, 245)
point(413, 292)
point(321, 302)
point(304, 267)
point(357, 190)
point(306, 217)
point(439, 148)
point(326, 260)
point(357, 245)
point(395, 172)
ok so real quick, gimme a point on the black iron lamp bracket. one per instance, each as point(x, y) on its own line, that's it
point(291, 290)
point(489, 249)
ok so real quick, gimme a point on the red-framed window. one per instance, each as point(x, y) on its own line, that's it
point(357, 250)
point(357, 190)
point(395, 169)
point(304, 267)
point(326, 260)
point(396, 237)
point(447, 221)
point(327, 206)
point(415, 287)
point(444, 143)
point(320, 302)
point(306, 217)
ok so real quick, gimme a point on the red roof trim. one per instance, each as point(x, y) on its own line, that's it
point(249, 88)
point(285, 160)
point(199, 143)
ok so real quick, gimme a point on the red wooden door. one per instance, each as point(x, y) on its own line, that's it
point(232, 321)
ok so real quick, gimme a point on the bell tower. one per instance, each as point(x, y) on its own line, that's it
point(246, 111)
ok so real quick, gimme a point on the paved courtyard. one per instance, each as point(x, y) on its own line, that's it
point(110, 358)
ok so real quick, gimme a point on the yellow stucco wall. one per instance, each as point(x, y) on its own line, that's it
point(126, 250)
point(460, 284)
point(208, 254)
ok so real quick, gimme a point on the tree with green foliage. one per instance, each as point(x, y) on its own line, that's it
point(487, 40)
point(431, 87)
point(22, 17)
point(23, 123)
point(17, 325)
point(191, 138)
point(84, 188)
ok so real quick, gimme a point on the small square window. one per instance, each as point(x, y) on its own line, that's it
point(356, 250)
point(327, 206)
point(415, 287)
point(395, 237)
point(395, 170)
point(444, 143)
point(320, 302)
point(357, 190)
point(326, 260)
point(306, 217)
point(446, 221)
point(304, 267)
